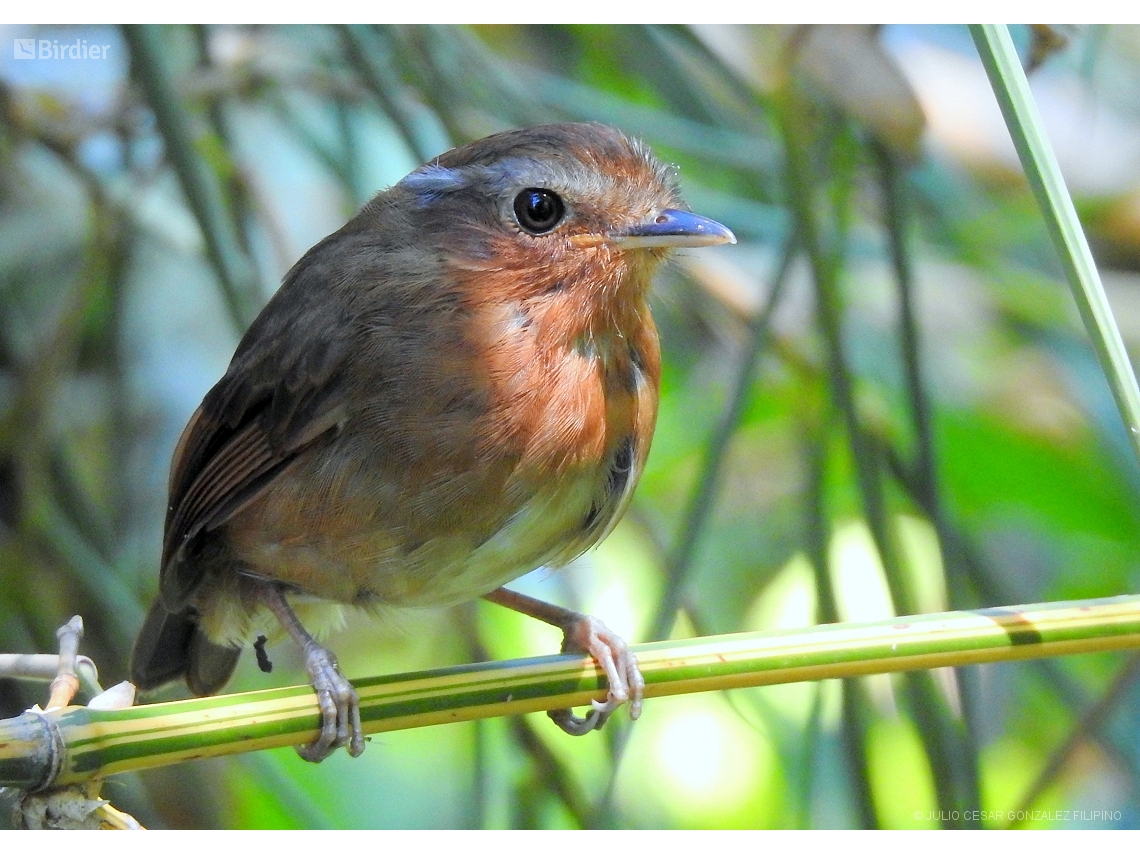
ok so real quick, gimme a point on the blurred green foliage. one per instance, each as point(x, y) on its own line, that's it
point(882, 399)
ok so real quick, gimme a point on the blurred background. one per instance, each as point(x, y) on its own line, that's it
point(890, 408)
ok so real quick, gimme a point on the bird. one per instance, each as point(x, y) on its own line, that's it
point(458, 386)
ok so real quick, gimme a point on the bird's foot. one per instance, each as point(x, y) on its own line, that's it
point(338, 701)
point(340, 707)
point(585, 634)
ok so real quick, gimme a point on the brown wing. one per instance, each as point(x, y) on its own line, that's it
point(283, 392)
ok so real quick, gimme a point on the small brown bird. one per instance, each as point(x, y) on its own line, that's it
point(456, 387)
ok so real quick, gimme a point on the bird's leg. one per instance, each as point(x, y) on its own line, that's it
point(584, 634)
point(339, 703)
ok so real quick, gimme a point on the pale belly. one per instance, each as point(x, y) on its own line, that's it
point(368, 570)
point(373, 567)
point(343, 544)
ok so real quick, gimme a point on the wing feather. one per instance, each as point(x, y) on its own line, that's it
point(283, 393)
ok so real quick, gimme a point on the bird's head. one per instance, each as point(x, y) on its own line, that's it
point(568, 212)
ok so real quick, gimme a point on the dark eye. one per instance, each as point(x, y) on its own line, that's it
point(538, 211)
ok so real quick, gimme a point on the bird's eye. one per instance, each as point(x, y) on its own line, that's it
point(538, 211)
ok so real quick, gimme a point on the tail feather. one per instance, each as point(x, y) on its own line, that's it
point(171, 646)
point(210, 666)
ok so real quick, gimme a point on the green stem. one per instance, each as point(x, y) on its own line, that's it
point(853, 734)
point(962, 764)
point(82, 744)
point(201, 186)
point(824, 251)
point(1040, 164)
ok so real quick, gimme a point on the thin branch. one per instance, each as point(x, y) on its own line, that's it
point(367, 56)
point(963, 764)
point(1093, 719)
point(853, 733)
point(200, 185)
point(824, 247)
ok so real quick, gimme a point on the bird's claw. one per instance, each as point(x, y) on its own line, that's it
point(590, 636)
point(339, 705)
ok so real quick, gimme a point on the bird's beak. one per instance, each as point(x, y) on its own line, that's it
point(674, 228)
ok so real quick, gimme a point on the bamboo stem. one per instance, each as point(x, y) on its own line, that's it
point(85, 744)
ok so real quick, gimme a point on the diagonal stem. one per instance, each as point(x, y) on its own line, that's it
point(1044, 174)
point(198, 183)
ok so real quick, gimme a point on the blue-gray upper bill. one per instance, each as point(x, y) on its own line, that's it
point(674, 228)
